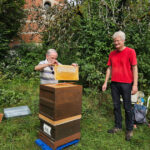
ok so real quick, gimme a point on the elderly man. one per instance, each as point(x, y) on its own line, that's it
point(46, 67)
point(122, 66)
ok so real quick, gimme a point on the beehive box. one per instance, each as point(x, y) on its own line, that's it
point(60, 101)
point(55, 144)
point(56, 130)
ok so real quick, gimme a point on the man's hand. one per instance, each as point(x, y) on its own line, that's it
point(108, 72)
point(53, 62)
point(74, 64)
point(134, 89)
point(104, 87)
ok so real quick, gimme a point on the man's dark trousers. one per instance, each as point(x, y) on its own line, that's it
point(122, 89)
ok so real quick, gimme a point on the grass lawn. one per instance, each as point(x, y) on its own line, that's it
point(97, 117)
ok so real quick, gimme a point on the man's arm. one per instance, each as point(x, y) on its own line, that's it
point(135, 79)
point(42, 66)
point(108, 72)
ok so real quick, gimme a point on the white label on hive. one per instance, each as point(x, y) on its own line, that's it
point(47, 129)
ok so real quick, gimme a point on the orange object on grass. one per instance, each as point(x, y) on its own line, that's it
point(1, 116)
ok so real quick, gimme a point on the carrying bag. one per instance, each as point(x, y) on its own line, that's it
point(139, 113)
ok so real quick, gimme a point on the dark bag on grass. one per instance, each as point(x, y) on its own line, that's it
point(139, 113)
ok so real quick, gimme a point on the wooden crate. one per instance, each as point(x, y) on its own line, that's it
point(59, 101)
point(56, 130)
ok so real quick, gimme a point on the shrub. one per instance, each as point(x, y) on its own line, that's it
point(9, 97)
point(21, 60)
point(84, 33)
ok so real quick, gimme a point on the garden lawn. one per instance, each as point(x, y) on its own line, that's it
point(97, 117)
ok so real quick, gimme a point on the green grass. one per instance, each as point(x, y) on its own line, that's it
point(97, 117)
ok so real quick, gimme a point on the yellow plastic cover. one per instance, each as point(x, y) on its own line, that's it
point(66, 72)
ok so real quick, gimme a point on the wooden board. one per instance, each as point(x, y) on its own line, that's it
point(59, 122)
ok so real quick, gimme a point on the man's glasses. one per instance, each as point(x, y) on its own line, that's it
point(52, 70)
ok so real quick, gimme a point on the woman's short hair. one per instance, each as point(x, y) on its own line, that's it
point(119, 33)
point(49, 51)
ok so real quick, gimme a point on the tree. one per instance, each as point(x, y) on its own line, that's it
point(11, 14)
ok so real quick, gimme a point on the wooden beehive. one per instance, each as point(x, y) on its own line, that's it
point(59, 101)
point(59, 113)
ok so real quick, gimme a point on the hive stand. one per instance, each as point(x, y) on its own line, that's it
point(44, 146)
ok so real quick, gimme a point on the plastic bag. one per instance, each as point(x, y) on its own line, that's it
point(139, 113)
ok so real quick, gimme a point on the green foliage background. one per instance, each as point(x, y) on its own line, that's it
point(21, 60)
point(83, 34)
point(11, 15)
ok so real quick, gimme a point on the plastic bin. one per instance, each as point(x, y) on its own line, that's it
point(16, 111)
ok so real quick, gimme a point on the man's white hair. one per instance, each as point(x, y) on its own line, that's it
point(49, 51)
point(120, 34)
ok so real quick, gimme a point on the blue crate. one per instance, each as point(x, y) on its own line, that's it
point(44, 146)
